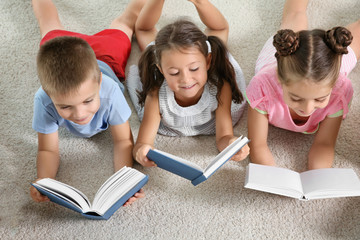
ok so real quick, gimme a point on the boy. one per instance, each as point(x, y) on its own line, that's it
point(79, 75)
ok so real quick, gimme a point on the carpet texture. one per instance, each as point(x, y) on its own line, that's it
point(173, 208)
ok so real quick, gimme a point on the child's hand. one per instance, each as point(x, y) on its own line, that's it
point(37, 196)
point(242, 153)
point(141, 158)
point(139, 194)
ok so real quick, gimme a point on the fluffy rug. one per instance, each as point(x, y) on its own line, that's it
point(173, 208)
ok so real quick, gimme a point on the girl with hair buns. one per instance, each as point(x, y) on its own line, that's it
point(187, 84)
point(301, 85)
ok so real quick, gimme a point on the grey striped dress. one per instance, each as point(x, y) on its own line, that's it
point(198, 119)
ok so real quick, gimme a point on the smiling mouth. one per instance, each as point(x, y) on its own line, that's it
point(188, 87)
point(81, 120)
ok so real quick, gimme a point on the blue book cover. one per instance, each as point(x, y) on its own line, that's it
point(114, 192)
point(191, 171)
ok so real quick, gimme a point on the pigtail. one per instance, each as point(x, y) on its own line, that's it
point(150, 75)
point(222, 70)
point(338, 39)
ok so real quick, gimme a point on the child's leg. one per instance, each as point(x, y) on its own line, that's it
point(145, 25)
point(47, 16)
point(354, 28)
point(126, 21)
point(294, 15)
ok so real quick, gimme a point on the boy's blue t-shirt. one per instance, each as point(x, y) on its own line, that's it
point(113, 110)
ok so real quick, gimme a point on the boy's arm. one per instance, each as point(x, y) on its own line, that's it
point(321, 154)
point(258, 126)
point(123, 145)
point(224, 129)
point(148, 130)
point(48, 161)
point(145, 30)
point(213, 19)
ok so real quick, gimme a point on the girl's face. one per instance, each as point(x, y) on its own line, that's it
point(185, 71)
point(304, 97)
point(80, 106)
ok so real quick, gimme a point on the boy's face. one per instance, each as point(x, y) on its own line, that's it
point(81, 105)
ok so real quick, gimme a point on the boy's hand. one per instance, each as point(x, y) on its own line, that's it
point(37, 196)
point(141, 158)
point(139, 194)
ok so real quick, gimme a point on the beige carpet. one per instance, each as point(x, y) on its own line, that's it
point(219, 208)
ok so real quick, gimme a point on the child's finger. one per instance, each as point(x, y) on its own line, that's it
point(140, 194)
point(149, 163)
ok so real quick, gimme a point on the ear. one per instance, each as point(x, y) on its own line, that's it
point(100, 78)
point(208, 61)
point(158, 66)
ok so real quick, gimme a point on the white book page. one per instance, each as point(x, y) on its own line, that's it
point(66, 190)
point(330, 182)
point(65, 198)
point(118, 189)
point(274, 180)
point(222, 157)
point(110, 182)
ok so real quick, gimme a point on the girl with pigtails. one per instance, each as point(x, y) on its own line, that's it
point(186, 83)
point(301, 85)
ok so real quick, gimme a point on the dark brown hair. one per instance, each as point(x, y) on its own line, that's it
point(64, 63)
point(185, 34)
point(310, 54)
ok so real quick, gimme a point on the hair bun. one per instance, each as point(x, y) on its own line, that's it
point(338, 39)
point(286, 42)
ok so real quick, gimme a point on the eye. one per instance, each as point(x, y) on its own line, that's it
point(320, 100)
point(64, 107)
point(88, 101)
point(173, 73)
point(194, 69)
point(296, 99)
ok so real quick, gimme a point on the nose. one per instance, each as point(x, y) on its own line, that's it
point(308, 107)
point(185, 77)
point(78, 113)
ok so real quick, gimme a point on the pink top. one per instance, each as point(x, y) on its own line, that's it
point(265, 94)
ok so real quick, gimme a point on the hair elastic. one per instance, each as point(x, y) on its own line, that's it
point(209, 46)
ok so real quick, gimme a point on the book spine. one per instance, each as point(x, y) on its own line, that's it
point(198, 180)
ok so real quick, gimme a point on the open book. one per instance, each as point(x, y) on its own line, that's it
point(312, 184)
point(110, 197)
point(191, 171)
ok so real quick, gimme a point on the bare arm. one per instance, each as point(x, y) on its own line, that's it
point(145, 30)
point(123, 145)
point(258, 125)
point(213, 19)
point(224, 129)
point(48, 161)
point(148, 130)
point(321, 154)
